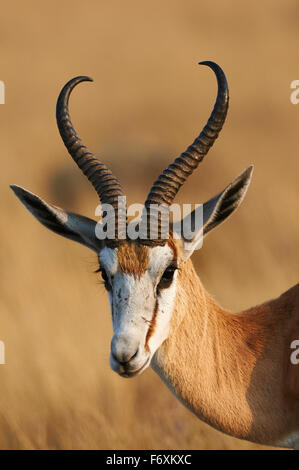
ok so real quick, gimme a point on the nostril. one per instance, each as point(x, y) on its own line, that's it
point(124, 357)
point(134, 355)
point(124, 348)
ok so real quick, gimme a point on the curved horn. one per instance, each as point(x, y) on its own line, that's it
point(106, 185)
point(169, 182)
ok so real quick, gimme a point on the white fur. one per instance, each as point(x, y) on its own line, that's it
point(133, 302)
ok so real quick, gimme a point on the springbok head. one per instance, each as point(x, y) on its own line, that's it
point(140, 275)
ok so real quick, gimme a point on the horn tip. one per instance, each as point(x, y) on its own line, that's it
point(18, 190)
point(209, 63)
point(14, 187)
point(84, 78)
point(250, 169)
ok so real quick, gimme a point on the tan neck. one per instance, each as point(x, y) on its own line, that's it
point(221, 365)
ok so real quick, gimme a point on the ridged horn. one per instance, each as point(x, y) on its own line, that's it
point(105, 183)
point(169, 182)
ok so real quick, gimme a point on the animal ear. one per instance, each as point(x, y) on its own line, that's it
point(68, 224)
point(213, 212)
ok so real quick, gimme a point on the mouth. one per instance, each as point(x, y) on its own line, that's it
point(128, 373)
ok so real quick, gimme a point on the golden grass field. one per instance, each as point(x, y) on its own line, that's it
point(149, 100)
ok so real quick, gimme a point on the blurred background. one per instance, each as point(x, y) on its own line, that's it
point(148, 102)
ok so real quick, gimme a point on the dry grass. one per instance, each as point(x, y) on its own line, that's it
point(146, 105)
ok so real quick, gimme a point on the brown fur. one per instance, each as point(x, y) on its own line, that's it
point(152, 326)
point(233, 370)
point(133, 258)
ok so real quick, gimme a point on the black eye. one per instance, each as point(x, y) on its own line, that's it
point(105, 278)
point(167, 277)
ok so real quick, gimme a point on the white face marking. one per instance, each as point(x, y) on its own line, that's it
point(160, 258)
point(108, 259)
point(140, 312)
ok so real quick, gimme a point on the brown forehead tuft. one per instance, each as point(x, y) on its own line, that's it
point(133, 258)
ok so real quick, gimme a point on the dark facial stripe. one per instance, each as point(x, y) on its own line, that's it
point(152, 326)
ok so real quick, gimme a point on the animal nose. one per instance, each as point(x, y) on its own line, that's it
point(123, 348)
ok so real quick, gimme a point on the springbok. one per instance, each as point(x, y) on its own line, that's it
point(232, 370)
